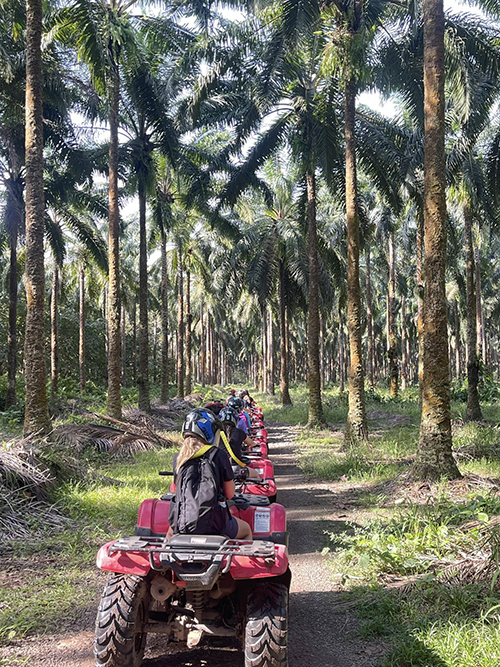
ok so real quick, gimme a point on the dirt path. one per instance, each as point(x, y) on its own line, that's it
point(320, 636)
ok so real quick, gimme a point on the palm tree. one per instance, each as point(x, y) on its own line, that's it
point(473, 406)
point(434, 457)
point(304, 123)
point(104, 35)
point(357, 427)
point(36, 417)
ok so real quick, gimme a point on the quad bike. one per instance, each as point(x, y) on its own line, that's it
point(264, 466)
point(262, 447)
point(193, 587)
point(255, 487)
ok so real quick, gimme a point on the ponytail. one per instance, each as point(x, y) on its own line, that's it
point(189, 448)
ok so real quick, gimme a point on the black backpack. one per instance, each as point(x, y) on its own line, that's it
point(196, 507)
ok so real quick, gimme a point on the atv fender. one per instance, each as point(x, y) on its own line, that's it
point(124, 562)
point(243, 567)
point(153, 517)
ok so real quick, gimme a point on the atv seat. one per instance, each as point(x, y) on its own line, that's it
point(260, 501)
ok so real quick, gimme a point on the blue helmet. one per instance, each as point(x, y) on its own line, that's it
point(229, 415)
point(201, 423)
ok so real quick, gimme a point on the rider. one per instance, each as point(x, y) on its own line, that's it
point(244, 418)
point(246, 398)
point(201, 429)
point(215, 405)
point(236, 437)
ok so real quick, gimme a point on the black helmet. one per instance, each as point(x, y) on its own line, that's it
point(202, 423)
point(235, 403)
point(229, 415)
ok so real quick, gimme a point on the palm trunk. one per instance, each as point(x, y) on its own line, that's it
point(134, 342)
point(155, 350)
point(316, 418)
point(203, 360)
point(124, 347)
point(420, 302)
point(404, 358)
point(10, 398)
point(357, 428)
point(264, 384)
point(458, 369)
point(284, 381)
point(180, 322)
point(270, 350)
point(81, 324)
point(36, 417)
point(341, 357)
point(369, 319)
point(434, 456)
point(392, 351)
point(481, 338)
point(164, 320)
point(189, 379)
point(473, 406)
point(54, 335)
point(143, 376)
point(215, 355)
point(114, 402)
point(209, 353)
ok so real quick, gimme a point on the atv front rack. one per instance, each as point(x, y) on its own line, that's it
point(195, 559)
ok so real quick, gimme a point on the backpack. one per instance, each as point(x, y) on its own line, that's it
point(196, 507)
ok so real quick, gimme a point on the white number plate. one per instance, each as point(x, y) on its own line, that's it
point(262, 521)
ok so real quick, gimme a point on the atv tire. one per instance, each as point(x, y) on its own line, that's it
point(120, 639)
point(266, 629)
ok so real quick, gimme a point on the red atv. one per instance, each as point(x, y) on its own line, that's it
point(193, 587)
point(266, 486)
point(261, 449)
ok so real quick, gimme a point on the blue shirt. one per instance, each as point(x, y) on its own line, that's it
point(242, 424)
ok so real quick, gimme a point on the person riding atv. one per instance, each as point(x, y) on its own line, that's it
point(204, 482)
point(244, 422)
point(234, 439)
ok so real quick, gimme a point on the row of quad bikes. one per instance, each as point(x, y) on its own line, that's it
point(192, 588)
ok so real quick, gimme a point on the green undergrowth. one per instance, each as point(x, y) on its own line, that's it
point(432, 624)
point(49, 583)
point(397, 557)
point(445, 555)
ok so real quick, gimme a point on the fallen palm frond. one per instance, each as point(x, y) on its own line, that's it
point(124, 441)
point(20, 469)
point(25, 480)
point(23, 516)
point(157, 420)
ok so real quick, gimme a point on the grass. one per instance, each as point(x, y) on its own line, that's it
point(58, 582)
point(432, 625)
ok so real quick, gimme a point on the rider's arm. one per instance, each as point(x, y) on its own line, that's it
point(227, 474)
point(229, 489)
point(249, 442)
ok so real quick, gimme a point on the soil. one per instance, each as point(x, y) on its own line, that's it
point(322, 634)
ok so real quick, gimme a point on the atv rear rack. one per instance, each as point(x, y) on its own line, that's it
point(197, 546)
point(195, 559)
